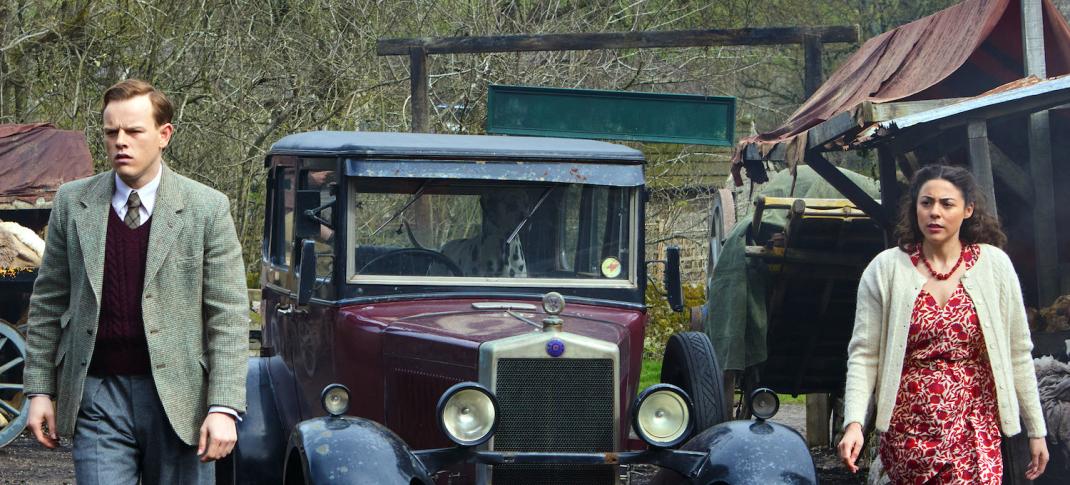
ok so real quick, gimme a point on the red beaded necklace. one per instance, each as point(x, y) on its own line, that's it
point(943, 276)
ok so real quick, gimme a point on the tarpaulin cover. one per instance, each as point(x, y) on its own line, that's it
point(737, 315)
point(962, 51)
point(36, 159)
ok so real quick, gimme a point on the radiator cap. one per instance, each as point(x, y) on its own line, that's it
point(553, 303)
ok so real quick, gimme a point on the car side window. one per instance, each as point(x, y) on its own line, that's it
point(281, 250)
point(325, 182)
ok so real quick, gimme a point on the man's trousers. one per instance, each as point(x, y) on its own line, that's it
point(123, 436)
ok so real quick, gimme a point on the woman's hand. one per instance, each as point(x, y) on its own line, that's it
point(1038, 448)
point(851, 445)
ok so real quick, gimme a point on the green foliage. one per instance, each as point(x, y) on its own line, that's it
point(650, 375)
point(663, 322)
point(244, 73)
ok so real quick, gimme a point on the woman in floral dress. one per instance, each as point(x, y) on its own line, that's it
point(941, 345)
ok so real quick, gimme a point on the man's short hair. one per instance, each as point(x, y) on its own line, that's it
point(162, 109)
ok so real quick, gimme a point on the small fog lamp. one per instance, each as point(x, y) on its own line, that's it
point(335, 399)
point(764, 403)
point(662, 416)
point(468, 414)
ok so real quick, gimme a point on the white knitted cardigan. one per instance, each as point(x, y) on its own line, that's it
point(886, 295)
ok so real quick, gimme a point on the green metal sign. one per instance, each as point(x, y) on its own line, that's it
point(611, 115)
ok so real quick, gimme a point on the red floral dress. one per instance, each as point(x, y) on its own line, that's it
point(944, 426)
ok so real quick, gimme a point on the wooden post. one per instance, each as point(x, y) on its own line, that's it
point(889, 190)
point(812, 49)
point(817, 420)
point(1040, 168)
point(981, 160)
point(418, 80)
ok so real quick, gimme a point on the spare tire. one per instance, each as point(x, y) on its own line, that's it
point(691, 365)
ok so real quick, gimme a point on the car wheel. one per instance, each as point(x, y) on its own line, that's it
point(691, 365)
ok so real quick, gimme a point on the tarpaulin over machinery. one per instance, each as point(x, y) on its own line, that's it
point(36, 159)
point(737, 315)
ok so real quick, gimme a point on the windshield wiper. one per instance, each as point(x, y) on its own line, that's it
point(416, 195)
point(542, 198)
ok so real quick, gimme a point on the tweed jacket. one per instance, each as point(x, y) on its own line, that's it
point(886, 295)
point(194, 301)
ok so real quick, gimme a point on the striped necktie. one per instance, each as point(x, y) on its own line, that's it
point(133, 215)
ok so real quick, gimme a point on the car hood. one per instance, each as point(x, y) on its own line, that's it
point(460, 319)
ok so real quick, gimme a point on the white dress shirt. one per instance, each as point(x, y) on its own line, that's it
point(146, 193)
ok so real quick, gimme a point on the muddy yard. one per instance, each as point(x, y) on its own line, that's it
point(24, 462)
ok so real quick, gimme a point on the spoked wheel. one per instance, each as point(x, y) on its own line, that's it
point(722, 219)
point(745, 382)
point(13, 403)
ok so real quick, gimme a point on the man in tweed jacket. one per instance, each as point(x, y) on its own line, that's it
point(138, 319)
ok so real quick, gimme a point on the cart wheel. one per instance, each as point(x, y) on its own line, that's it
point(745, 384)
point(691, 365)
point(722, 219)
point(13, 402)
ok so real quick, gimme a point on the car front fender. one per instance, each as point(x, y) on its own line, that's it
point(747, 452)
point(348, 450)
point(754, 452)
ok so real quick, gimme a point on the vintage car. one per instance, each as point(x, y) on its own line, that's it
point(470, 309)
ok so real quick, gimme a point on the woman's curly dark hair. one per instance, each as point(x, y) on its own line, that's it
point(981, 228)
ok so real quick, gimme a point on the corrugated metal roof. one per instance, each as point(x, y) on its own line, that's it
point(422, 145)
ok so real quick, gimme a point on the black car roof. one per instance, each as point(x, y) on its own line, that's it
point(422, 145)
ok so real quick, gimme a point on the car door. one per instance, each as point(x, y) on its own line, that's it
point(279, 288)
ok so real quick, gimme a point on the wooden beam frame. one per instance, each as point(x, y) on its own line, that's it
point(868, 112)
point(418, 48)
point(845, 186)
point(615, 40)
point(1040, 161)
point(981, 161)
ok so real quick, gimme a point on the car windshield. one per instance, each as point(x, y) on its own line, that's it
point(442, 230)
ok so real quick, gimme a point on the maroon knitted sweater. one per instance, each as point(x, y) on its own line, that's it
point(121, 346)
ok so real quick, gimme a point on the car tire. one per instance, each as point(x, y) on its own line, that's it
point(691, 364)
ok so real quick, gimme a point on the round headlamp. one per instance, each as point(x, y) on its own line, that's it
point(468, 414)
point(335, 399)
point(764, 403)
point(662, 416)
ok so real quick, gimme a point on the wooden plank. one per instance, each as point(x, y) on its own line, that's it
point(804, 256)
point(981, 161)
point(845, 186)
point(418, 82)
point(869, 112)
point(817, 420)
point(830, 129)
point(616, 40)
point(1007, 171)
point(1040, 156)
point(889, 188)
point(812, 50)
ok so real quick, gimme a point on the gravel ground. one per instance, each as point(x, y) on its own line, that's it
point(25, 462)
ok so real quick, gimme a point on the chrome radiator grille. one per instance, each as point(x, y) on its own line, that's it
point(555, 405)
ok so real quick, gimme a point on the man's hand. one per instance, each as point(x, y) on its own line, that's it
point(1038, 448)
point(42, 415)
point(218, 435)
point(851, 445)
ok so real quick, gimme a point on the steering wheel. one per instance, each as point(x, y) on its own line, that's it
point(377, 263)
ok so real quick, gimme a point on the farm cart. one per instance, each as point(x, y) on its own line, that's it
point(34, 161)
point(782, 291)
